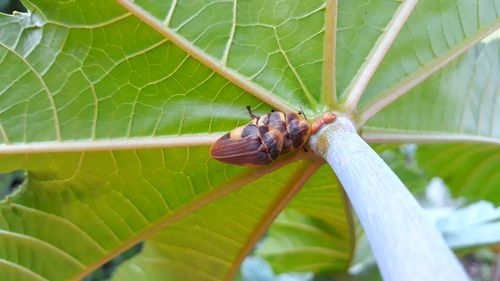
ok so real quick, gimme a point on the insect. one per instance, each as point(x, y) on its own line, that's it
point(266, 137)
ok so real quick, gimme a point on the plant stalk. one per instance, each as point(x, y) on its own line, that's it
point(405, 243)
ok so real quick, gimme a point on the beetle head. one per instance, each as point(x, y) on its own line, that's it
point(326, 118)
point(329, 117)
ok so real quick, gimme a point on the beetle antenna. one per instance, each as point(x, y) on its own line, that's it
point(302, 112)
point(250, 113)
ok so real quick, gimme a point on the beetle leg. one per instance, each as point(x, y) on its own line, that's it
point(305, 149)
point(302, 112)
point(251, 114)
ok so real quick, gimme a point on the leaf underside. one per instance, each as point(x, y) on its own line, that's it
point(459, 103)
point(89, 71)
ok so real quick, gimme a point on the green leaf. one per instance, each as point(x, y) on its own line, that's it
point(356, 17)
point(82, 76)
point(306, 236)
point(459, 103)
point(435, 33)
point(84, 80)
point(470, 170)
point(107, 201)
point(110, 107)
point(256, 269)
point(205, 244)
point(402, 160)
point(263, 42)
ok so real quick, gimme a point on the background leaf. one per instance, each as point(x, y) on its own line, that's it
point(457, 103)
point(470, 170)
point(312, 234)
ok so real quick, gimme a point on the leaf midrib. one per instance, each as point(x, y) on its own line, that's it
point(185, 140)
point(329, 89)
point(373, 136)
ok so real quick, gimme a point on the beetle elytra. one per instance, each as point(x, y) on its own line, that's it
point(265, 137)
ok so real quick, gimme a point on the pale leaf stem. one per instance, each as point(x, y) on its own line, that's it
point(111, 144)
point(405, 243)
point(329, 89)
point(424, 137)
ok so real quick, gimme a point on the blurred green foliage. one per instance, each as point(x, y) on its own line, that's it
point(107, 269)
point(9, 182)
point(9, 6)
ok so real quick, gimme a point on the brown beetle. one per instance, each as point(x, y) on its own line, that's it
point(264, 138)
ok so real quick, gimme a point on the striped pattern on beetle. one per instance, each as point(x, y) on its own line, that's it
point(266, 137)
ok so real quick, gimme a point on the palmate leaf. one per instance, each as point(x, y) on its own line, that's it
point(99, 192)
point(110, 107)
